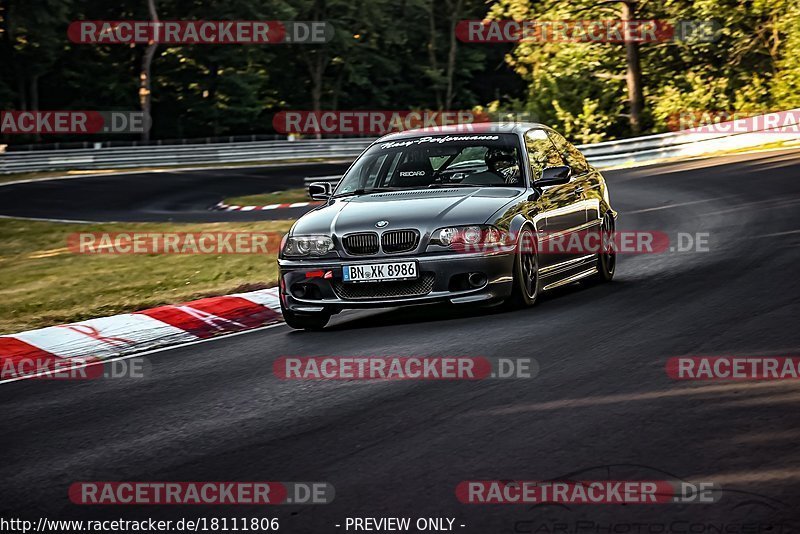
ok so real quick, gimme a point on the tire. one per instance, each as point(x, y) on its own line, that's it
point(305, 321)
point(607, 258)
point(527, 283)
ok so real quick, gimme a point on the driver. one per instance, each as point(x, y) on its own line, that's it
point(503, 162)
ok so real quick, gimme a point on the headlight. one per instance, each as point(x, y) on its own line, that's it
point(445, 236)
point(309, 245)
point(472, 235)
point(469, 236)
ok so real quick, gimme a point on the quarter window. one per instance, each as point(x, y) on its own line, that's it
point(571, 155)
point(541, 152)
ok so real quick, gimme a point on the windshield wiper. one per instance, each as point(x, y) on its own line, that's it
point(365, 191)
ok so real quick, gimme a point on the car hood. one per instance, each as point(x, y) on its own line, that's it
point(424, 210)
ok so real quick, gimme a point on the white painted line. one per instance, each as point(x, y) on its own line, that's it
point(670, 206)
point(777, 234)
point(765, 204)
point(44, 219)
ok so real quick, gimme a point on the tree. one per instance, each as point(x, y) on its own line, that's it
point(145, 91)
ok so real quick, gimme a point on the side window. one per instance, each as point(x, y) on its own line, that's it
point(571, 155)
point(541, 152)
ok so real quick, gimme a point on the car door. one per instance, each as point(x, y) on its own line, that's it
point(561, 211)
point(582, 176)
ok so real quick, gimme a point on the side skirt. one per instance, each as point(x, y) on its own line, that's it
point(568, 271)
point(570, 279)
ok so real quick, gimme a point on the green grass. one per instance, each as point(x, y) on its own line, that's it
point(264, 199)
point(46, 284)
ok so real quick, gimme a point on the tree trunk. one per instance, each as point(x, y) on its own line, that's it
point(34, 94)
point(317, 71)
point(634, 75)
point(434, 63)
point(337, 90)
point(23, 92)
point(317, 64)
point(145, 97)
point(451, 56)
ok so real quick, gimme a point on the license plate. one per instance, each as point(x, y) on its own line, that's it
point(380, 272)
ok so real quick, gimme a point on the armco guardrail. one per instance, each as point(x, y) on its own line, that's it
point(606, 154)
point(158, 156)
point(688, 143)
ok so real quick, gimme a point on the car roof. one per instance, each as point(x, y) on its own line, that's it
point(463, 129)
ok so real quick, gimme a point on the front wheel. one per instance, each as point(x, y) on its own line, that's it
point(305, 321)
point(527, 284)
point(607, 257)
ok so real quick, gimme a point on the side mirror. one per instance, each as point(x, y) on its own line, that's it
point(554, 176)
point(319, 190)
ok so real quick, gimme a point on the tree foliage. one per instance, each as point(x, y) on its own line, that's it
point(399, 55)
point(753, 65)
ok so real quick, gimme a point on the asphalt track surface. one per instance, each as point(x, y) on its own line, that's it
point(602, 406)
point(180, 195)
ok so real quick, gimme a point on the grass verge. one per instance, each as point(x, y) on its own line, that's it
point(46, 284)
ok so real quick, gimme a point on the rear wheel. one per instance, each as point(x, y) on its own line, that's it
point(305, 321)
point(607, 257)
point(526, 284)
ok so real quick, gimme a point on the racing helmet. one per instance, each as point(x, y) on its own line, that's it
point(503, 161)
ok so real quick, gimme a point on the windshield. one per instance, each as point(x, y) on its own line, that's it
point(436, 161)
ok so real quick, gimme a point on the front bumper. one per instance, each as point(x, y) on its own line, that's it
point(300, 293)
